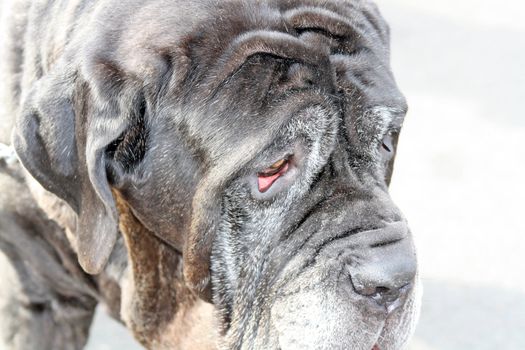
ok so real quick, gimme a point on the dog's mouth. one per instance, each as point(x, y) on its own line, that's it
point(376, 347)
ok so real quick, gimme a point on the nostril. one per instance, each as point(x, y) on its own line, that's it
point(365, 290)
point(384, 296)
point(382, 292)
point(390, 298)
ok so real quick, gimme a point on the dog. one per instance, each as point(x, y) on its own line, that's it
point(214, 172)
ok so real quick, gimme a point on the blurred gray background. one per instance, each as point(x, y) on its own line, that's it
point(460, 175)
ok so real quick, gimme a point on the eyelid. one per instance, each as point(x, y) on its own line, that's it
point(278, 164)
point(389, 140)
point(285, 158)
point(293, 153)
point(387, 143)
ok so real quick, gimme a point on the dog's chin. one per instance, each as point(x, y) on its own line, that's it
point(362, 335)
point(315, 319)
point(309, 321)
point(362, 338)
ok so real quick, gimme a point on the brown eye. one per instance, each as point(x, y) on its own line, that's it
point(278, 164)
point(274, 168)
point(268, 176)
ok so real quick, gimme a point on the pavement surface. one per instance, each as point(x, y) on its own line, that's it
point(460, 171)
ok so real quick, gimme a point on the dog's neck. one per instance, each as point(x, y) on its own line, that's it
point(156, 303)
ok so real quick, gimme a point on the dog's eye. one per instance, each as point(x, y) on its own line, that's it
point(387, 144)
point(274, 168)
point(268, 176)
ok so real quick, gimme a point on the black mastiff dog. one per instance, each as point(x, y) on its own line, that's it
point(214, 171)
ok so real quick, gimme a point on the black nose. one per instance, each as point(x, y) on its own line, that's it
point(386, 264)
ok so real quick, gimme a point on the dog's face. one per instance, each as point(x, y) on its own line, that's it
point(259, 143)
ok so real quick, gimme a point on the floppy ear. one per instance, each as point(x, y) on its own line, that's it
point(60, 137)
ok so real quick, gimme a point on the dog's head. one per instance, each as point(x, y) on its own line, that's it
point(255, 138)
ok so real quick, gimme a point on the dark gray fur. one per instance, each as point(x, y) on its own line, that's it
point(175, 106)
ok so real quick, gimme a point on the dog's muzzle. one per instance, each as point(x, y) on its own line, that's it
point(356, 286)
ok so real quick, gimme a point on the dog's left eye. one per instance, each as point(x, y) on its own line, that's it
point(268, 176)
point(387, 145)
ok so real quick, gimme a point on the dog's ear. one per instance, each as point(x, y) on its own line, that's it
point(61, 136)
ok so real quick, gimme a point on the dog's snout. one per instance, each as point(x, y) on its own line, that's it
point(385, 270)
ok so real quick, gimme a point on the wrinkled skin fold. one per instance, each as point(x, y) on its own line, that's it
point(215, 172)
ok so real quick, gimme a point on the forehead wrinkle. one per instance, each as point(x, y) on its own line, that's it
point(258, 41)
point(312, 16)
